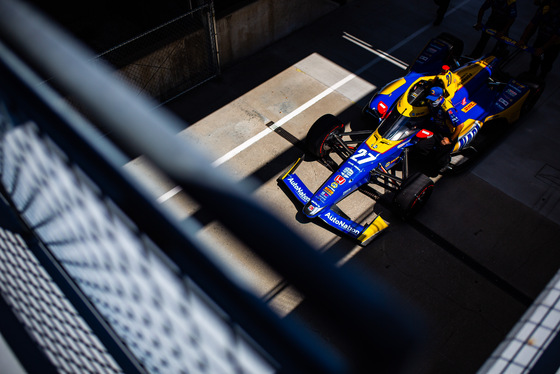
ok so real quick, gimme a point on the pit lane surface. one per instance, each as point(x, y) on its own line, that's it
point(486, 243)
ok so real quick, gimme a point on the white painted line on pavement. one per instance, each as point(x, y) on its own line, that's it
point(368, 47)
point(169, 194)
point(228, 156)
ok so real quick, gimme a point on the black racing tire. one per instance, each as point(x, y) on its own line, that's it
point(534, 96)
point(413, 196)
point(318, 136)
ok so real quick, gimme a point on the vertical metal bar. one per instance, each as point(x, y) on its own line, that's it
point(405, 165)
point(213, 36)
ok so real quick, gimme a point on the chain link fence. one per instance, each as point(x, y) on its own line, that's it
point(172, 58)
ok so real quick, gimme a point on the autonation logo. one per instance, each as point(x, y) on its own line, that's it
point(298, 190)
point(341, 224)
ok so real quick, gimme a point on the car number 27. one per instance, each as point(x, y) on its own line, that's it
point(362, 156)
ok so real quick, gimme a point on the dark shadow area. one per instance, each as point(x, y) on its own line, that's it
point(104, 24)
point(260, 176)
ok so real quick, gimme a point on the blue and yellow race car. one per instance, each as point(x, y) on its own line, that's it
point(475, 94)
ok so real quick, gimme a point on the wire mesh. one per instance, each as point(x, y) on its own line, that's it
point(44, 310)
point(164, 319)
point(172, 58)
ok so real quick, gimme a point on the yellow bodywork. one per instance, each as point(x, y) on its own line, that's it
point(374, 228)
point(511, 113)
point(468, 125)
point(451, 82)
point(379, 144)
point(391, 87)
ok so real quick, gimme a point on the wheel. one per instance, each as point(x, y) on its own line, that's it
point(317, 140)
point(534, 96)
point(414, 194)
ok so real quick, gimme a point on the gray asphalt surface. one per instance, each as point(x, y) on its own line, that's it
point(486, 243)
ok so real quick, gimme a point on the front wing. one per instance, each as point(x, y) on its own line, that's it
point(363, 234)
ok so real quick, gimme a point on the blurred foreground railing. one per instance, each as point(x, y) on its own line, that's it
point(96, 277)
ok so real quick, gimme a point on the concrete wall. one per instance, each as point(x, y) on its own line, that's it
point(253, 27)
point(173, 68)
point(180, 65)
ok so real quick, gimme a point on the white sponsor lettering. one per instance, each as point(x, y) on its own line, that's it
point(341, 224)
point(347, 172)
point(300, 192)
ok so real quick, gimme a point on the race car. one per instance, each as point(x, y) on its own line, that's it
point(475, 95)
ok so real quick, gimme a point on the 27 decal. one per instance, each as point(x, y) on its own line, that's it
point(362, 156)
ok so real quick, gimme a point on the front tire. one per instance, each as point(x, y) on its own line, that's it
point(413, 196)
point(318, 136)
point(534, 96)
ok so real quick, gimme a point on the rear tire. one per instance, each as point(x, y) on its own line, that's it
point(318, 136)
point(413, 196)
point(534, 96)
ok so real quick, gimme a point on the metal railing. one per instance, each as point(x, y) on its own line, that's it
point(138, 292)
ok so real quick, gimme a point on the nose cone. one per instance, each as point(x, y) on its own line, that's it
point(311, 210)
